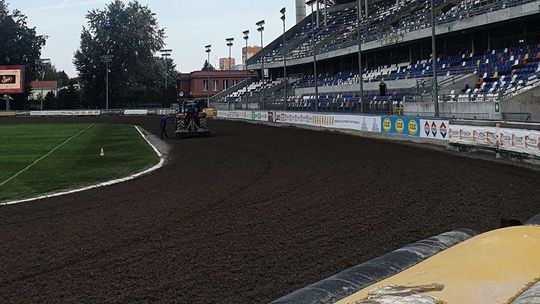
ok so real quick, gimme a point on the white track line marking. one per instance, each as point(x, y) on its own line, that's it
point(104, 184)
point(44, 156)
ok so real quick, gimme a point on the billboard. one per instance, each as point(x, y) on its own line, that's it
point(434, 129)
point(11, 79)
point(401, 125)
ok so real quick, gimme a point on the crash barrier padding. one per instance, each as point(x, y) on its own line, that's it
point(359, 277)
point(430, 128)
point(87, 113)
point(531, 295)
point(135, 112)
point(499, 136)
point(366, 123)
point(534, 221)
point(520, 139)
point(494, 267)
point(52, 113)
point(7, 114)
point(115, 112)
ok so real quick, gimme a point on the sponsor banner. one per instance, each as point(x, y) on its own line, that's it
point(260, 116)
point(87, 113)
point(135, 112)
point(359, 123)
point(111, 112)
point(11, 79)
point(295, 118)
point(504, 139)
point(474, 136)
point(435, 129)
point(51, 113)
point(401, 125)
point(520, 141)
point(334, 121)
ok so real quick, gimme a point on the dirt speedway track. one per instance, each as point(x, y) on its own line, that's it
point(247, 216)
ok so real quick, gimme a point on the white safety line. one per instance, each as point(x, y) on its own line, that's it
point(104, 184)
point(44, 156)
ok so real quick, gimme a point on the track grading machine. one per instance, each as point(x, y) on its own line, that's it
point(191, 121)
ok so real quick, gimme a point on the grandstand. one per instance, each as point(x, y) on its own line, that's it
point(488, 52)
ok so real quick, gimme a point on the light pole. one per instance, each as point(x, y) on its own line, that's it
point(165, 54)
point(229, 44)
point(260, 28)
point(208, 51)
point(434, 59)
point(311, 3)
point(107, 59)
point(246, 38)
point(42, 63)
point(285, 80)
point(360, 103)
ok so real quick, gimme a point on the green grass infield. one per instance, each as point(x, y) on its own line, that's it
point(48, 158)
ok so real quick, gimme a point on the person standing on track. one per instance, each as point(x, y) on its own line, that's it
point(163, 125)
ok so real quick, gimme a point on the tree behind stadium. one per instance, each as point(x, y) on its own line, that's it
point(19, 45)
point(131, 34)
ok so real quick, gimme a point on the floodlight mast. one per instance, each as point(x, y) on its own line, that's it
point(208, 50)
point(229, 44)
point(260, 28)
point(434, 59)
point(285, 80)
point(314, 42)
point(42, 62)
point(246, 38)
point(166, 53)
point(107, 59)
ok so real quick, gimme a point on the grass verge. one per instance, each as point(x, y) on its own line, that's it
point(75, 164)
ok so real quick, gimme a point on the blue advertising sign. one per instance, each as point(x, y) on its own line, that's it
point(401, 125)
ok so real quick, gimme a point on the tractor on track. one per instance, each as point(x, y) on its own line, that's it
point(191, 121)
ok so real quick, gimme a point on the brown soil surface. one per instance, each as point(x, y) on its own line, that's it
point(246, 216)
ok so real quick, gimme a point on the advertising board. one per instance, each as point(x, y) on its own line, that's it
point(51, 113)
point(135, 112)
point(505, 139)
point(401, 125)
point(434, 129)
point(11, 79)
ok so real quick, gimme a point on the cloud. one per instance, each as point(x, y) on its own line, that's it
point(68, 4)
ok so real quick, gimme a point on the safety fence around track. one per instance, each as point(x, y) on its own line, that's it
point(436, 129)
point(515, 138)
point(521, 139)
point(512, 137)
point(59, 113)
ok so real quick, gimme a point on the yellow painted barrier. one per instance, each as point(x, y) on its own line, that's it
point(493, 267)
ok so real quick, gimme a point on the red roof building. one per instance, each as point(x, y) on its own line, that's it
point(195, 84)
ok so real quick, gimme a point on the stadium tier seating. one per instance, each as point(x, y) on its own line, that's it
point(387, 19)
point(503, 71)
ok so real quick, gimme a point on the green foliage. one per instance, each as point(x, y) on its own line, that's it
point(69, 98)
point(49, 102)
point(207, 66)
point(52, 74)
point(131, 34)
point(19, 45)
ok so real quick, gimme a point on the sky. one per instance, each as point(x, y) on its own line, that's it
point(189, 26)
